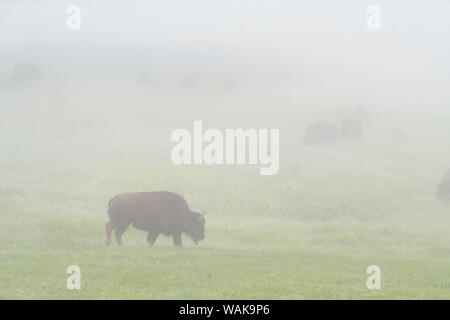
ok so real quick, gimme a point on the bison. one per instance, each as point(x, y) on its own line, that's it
point(443, 189)
point(351, 129)
point(24, 72)
point(320, 133)
point(155, 212)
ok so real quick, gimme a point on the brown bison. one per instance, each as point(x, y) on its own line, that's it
point(156, 212)
point(443, 189)
point(320, 133)
point(351, 129)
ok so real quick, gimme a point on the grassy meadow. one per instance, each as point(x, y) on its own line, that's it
point(308, 232)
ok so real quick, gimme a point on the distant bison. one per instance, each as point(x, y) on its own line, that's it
point(156, 212)
point(25, 72)
point(320, 133)
point(443, 189)
point(351, 129)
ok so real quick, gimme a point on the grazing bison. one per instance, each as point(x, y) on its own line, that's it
point(156, 212)
point(443, 189)
point(320, 133)
point(351, 129)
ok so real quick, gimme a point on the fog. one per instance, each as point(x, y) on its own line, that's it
point(87, 114)
point(325, 46)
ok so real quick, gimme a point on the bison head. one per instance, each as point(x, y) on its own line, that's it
point(196, 227)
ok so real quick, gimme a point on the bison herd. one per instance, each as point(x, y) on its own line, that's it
point(324, 133)
point(168, 213)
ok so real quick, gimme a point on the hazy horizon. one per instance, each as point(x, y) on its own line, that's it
point(360, 120)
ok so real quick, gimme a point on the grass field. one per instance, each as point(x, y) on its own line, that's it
point(92, 91)
point(309, 232)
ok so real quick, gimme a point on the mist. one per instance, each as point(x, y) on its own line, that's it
point(86, 114)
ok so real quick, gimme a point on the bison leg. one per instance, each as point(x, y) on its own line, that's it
point(109, 228)
point(119, 237)
point(177, 239)
point(151, 237)
point(119, 231)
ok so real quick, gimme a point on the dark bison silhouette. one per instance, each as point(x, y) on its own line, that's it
point(155, 212)
point(443, 189)
point(320, 133)
point(351, 129)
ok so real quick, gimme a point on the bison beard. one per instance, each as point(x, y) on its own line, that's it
point(156, 212)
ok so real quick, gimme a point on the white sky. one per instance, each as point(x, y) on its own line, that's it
point(327, 37)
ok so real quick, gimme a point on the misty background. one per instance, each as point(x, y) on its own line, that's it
point(324, 46)
point(98, 120)
point(287, 61)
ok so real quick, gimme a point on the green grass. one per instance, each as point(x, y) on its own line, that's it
point(309, 232)
point(258, 246)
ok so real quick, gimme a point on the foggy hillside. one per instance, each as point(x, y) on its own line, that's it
point(87, 114)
